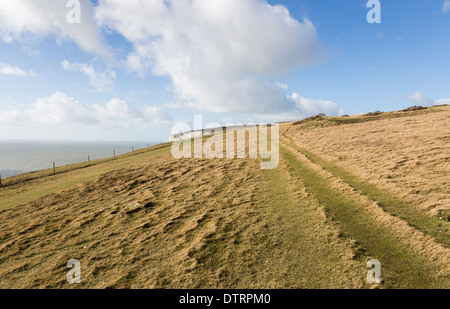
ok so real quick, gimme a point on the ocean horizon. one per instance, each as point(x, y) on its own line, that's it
point(19, 156)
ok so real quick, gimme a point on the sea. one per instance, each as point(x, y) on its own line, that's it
point(18, 157)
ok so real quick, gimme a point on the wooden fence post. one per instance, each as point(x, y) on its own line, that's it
point(89, 161)
point(1, 180)
point(132, 150)
point(54, 168)
point(114, 154)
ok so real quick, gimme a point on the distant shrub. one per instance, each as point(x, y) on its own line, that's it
point(309, 119)
point(377, 113)
point(414, 108)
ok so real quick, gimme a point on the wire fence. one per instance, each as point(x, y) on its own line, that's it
point(55, 169)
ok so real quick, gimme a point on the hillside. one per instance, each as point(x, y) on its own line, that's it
point(347, 189)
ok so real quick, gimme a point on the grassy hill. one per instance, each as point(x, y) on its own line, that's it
point(347, 189)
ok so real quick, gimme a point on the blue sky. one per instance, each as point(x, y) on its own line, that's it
point(129, 73)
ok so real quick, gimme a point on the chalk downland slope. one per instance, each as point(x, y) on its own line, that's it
point(346, 190)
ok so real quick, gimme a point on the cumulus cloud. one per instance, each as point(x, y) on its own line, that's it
point(116, 109)
point(158, 114)
point(59, 108)
point(103, 81)
point(22, 18)
point(303, 107)
point(222, 56)
point(445, 101)
point(10, 70)
point(307, 106)
point(10, 117)
point(419, 98)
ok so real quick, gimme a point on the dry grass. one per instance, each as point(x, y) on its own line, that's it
point(25, 188)
point(407, 156)
point(151, 221)
point(166, 223)
point(410, 259)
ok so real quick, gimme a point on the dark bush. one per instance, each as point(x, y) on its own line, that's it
point(377, 113)
point(309, 119)
point(414, 108)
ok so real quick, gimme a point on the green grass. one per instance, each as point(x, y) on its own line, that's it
point(432, 226)
point(312, 257)
point(29, 190)
point(401, 268)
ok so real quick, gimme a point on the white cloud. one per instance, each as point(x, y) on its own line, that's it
point(310, 107)
point(158, 114)
point(445, 101)
point(419, 98)
point(303, 108)
point(10, 70)
point(6, 38)
point(222, 56)
point(20, 19)
point(446, 6)
point(60, 108)
point(10, 117)
point(116, 109)
point(101, 81)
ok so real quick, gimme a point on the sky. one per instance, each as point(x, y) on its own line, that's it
point(115, 70)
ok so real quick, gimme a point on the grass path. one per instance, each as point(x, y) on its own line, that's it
point(433, 226)
point(317, 257)
point(24, 192)
point(401, 266)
